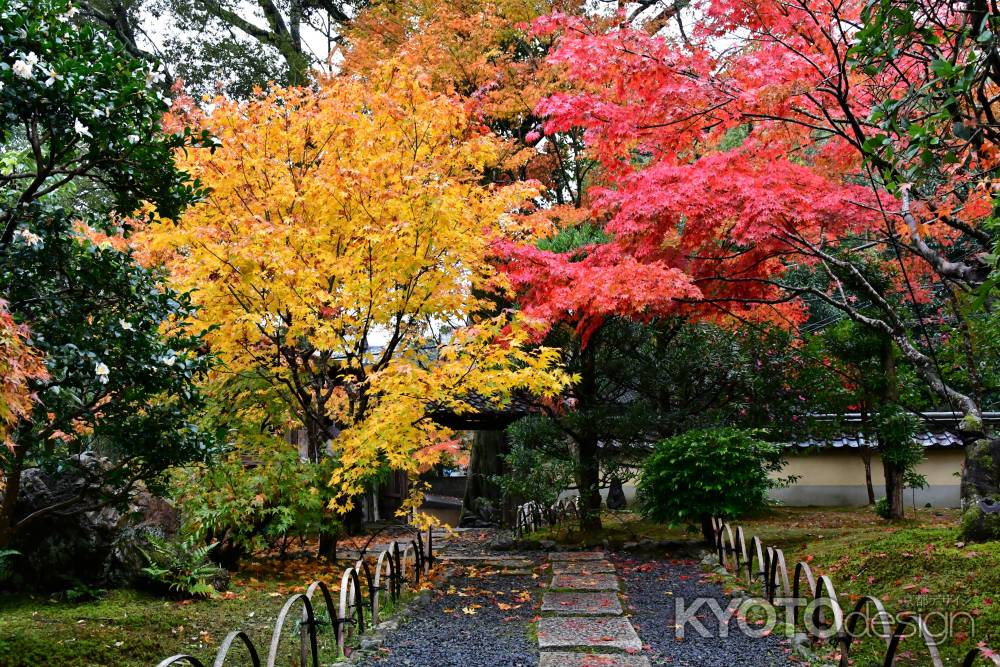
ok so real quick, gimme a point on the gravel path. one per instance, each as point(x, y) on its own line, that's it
point(653, 587)
point(445, 634)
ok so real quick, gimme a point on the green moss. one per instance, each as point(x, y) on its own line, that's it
point(978, 526)
point(971, 424)
point(134, 629)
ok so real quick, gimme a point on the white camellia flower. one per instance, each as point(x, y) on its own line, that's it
point(169, 361)
point(133, 138)
point(23, 69)
point(127, 326)
point(70, 13)
point(102, 371)
point(30, 239)
point(53, 77)
point(82, 129)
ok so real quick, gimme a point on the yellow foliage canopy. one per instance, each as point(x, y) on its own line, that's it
point(343, 253)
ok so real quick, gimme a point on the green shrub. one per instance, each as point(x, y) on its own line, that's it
point(533, 473)
point(723, 472)
point(181, 566)
point(81, 591)
point(882, 508)
point(252, 507)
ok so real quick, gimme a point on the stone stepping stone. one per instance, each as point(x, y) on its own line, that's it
point(578, 604)
point(582, 567)
point(577, 555)
point(508, 564)
point(586, 582)
point(563, 659)
point(614, 632)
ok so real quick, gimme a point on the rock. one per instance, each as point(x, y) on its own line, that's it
point(801, 644)
point(100, 547)
point(616, 495)
point(482, 514)
point(546, 544)
point(388, 625)
point(980, 513)
point(372, 641)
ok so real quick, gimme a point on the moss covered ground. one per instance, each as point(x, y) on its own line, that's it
point(129, 628)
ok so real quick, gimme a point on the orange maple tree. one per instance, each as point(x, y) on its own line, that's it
point(19, 366)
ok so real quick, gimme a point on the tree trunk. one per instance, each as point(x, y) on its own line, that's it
point(866, 457)
point(894, 490)
point(327, 546)
point(893, 474)
point(588, 481)
point(485, 462)
point(588, 461)
point(9, 502)
point(866, 454)
point(707, 531)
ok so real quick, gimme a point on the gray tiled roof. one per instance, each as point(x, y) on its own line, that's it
point(856, 440)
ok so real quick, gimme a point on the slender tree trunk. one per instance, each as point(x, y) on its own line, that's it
point(588, 462)
point(707, 531)
point(866, 455)
point(588, 481)
point(866, 458)
point(9, 504)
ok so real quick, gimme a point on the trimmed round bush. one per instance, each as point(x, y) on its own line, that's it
point(699, 474)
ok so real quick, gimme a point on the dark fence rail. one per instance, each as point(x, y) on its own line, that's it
point(828, 621)
point(396, 566)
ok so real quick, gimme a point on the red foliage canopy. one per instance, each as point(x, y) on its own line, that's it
point(726, 158)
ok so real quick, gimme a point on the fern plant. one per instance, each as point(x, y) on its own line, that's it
point(182, 566)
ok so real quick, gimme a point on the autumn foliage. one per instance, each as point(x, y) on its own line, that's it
point(19, 366)
point(342, 255)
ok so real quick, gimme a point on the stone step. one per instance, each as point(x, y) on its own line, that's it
point(509, 563)
point(586, 582)
point(577, 555)
point(579, 604)
point(567, 659)
point(613, 632)
point(582, 567)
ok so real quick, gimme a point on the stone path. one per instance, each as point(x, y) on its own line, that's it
point(479, 618)
point(583, 623)
point(653, 591)
point(589, 609)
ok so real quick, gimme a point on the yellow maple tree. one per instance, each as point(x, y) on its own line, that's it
point(342, 252)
